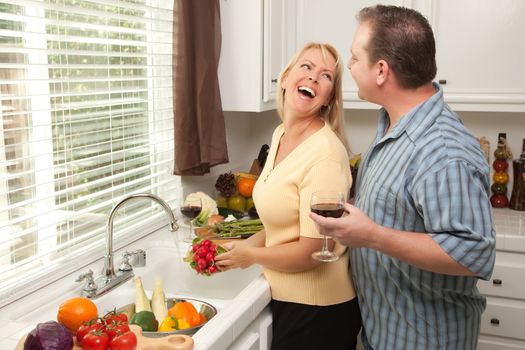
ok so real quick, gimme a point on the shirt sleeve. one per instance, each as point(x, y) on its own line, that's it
point(457, 213)
point(327, 174)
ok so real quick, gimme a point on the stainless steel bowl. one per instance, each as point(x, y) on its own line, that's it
point(207, 309)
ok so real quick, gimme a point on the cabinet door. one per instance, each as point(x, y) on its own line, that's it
point(504, 318)
point(247, 341)
point(258, 39)
point(334, 22)
point(279, 42)
point(508, 280)
point(480, 53)
point(240, 64)
point(496, 343)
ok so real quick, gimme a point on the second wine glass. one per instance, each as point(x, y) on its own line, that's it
point(328, 204)
point(191, 208)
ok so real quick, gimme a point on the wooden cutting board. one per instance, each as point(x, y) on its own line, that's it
point(170, 342)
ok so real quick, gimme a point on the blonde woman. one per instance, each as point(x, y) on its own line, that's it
point(313, 303)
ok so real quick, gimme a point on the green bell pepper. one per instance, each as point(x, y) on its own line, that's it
point(146, 320)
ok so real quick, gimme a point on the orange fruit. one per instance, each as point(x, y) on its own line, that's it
point(245, 186)
point(73, 312)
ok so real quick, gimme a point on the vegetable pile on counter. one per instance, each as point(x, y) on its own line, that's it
point(156, 317)
point(209, 208)
point(49, 335)
point(235, 192)
point(237, 228)
point(201, 256)
point(109, 332)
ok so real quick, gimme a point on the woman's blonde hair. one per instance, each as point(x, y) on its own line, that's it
point(333, 112)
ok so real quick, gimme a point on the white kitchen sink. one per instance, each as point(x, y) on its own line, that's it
point(179, 281)
point(238, 295)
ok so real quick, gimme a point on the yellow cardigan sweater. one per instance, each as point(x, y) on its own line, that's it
point(282, 197)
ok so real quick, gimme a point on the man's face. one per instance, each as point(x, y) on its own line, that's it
point(360, 68)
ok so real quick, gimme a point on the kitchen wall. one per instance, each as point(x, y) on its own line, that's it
point(246, 132)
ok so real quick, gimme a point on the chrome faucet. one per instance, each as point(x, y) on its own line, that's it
point(109, 278)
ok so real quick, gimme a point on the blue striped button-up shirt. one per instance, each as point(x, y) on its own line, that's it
point(427, 175)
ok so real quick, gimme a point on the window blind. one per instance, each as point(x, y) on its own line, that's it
point(87, 118)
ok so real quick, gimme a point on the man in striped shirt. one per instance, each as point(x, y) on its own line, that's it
point(421, 230)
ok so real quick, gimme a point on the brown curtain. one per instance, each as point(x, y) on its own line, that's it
point(200, 133)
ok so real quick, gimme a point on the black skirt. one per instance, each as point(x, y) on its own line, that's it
point(304, 327)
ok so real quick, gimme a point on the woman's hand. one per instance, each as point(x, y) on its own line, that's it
point(237, 256)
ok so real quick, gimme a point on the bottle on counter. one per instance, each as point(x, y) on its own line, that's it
point(500, 178)
point(517, 199)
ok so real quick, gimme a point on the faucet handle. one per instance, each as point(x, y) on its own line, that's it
point(90, 285)
point(125, 265)
point(139, 260)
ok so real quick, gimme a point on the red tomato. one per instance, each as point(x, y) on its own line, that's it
point(95, 340)
point(125, 341)
point(87, 327)
point(114, 317)
point(116, 329)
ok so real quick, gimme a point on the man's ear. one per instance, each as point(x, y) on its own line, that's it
point(382, 72)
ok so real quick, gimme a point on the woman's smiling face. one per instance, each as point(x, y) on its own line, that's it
point(309, 83)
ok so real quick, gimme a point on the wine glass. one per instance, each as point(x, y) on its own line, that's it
point(191, 208)
point(328, 204)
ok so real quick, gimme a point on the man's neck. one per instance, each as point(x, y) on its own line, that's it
point(401, 101)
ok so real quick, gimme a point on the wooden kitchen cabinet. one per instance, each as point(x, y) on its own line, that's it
point(256, 45)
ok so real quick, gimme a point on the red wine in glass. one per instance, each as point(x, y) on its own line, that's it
point(190, 211)
point(328, 204)
point(329, 210)
point(191, 208)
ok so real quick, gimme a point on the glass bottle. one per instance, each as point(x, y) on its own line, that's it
point(500, 177)
point(517, 199)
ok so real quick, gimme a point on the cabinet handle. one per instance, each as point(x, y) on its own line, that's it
point(494, 321)
point(497, 282)
point(442, 81)
point(274, 80)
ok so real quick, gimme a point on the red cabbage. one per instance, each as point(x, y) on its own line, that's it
point(49, 335)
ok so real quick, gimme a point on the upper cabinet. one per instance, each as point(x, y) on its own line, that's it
point(334, 22)
point(479, 43)
point(256, 45)
point(480, 52)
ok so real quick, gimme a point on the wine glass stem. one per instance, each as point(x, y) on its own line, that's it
point(325, 245)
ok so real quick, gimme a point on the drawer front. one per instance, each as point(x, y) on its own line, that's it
point(504, 318)
point(499, 344)
point(507, 281)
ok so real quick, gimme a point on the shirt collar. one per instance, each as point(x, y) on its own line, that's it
point(416, 121)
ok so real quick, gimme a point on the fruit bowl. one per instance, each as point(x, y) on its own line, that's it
point(203, 307)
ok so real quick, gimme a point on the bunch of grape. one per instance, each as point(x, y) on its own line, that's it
point(225, 184)
point(201, 256)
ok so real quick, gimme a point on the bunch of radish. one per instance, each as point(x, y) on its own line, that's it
point(201, 256)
